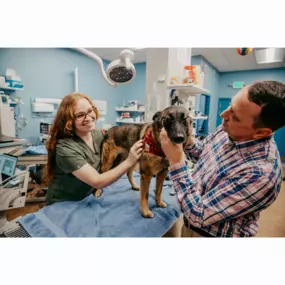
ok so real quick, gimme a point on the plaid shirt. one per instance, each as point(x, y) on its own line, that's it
point(231, 184)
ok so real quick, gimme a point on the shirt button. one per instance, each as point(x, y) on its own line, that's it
point(227, 145)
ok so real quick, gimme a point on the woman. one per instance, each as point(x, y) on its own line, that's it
point(73, 163)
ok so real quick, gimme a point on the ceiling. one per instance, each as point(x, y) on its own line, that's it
point(223, 59)
point(113, 53)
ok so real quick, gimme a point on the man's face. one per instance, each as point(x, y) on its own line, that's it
point(239, 118)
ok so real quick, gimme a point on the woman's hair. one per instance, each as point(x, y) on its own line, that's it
point(62, 127)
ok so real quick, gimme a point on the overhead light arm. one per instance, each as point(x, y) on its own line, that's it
point(119, 71)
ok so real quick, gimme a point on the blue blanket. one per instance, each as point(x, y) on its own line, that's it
point(116, 213)
point(36, 150)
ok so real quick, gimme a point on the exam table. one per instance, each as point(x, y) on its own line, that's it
point(116, 213)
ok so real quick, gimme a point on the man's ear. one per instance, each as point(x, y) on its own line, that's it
point(156, 116)
point(262, 133)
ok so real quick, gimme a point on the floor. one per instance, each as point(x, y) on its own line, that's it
point(272, 220)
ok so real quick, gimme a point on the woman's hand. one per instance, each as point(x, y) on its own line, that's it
point(135, 153)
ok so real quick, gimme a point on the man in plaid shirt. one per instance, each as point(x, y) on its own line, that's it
point(238, 171)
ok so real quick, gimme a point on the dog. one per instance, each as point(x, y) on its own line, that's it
point(118, 140)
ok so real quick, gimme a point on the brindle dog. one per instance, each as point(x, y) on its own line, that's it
point(119, 139)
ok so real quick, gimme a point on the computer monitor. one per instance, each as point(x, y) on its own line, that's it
point(7, 165)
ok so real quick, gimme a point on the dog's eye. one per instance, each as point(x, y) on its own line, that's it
point(166, 121)
point(185, 121)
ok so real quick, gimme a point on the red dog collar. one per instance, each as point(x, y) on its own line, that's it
point(150, 146)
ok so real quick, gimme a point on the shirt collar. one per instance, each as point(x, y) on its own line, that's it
point(248, 146)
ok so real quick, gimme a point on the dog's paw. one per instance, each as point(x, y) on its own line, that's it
point(161, 204)
point(148, 213)
point(98, 193)
point(136, 187)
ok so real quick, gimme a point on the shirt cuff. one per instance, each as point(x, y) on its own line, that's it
point(178, 170)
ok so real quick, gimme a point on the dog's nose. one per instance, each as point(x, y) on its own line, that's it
point(179, 139)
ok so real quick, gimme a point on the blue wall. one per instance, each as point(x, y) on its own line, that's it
point(212, 81)
point(249, 77)
point(217, 83)
point(137, 88)
point(49, 73)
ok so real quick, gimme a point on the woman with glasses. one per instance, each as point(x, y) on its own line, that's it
point(72, 170)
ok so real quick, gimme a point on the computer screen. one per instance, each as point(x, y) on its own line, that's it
point(8, 164)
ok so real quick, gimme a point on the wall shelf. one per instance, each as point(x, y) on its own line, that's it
point(200, 118)
point(11, 88)
point(190, 89)
point(129, 110)
point(128, 122)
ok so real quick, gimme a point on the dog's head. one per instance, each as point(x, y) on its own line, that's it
point(176, 121)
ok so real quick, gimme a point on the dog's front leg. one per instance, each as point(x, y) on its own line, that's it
point(144, 191)
point(158, 191)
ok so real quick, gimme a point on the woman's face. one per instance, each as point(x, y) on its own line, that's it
point(85, 116)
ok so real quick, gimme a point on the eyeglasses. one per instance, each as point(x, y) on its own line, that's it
point(82, 115)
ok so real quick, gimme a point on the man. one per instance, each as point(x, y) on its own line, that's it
point(238, 171)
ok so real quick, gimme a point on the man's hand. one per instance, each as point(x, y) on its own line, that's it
point(173, 152)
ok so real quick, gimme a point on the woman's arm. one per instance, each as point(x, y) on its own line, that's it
point(90, 176)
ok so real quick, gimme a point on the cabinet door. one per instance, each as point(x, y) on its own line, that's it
point(223, 104)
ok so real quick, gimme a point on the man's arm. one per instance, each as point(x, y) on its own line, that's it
point(194, 147)
point(239, 195)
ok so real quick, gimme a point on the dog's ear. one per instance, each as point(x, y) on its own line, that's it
point(156, 116)
point(189, 124)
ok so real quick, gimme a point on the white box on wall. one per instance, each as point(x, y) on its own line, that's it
point(42, 108)
point(101, 106)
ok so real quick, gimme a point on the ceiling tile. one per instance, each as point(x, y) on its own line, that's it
point(223, 59)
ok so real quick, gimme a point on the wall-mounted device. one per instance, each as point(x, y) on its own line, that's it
point(7, 120)
point(42, 108)
point(45, 105)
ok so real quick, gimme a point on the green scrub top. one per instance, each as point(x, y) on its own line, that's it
point(71, 154)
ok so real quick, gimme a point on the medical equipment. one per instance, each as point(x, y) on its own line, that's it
point(7, 121)
point(119, 71)
point(7, 166)
point(13, 189)
point(44, 131)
